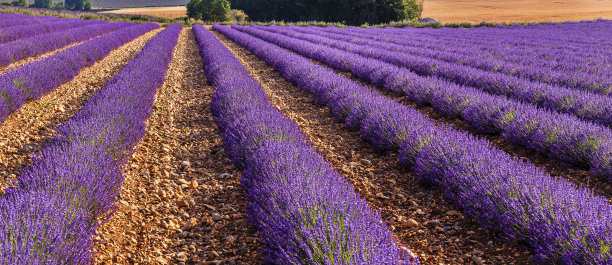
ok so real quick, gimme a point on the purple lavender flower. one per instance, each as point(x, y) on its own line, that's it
point(32, 81)
point(563, 223)
point(305, 212)
point(561, 136)
point(28, 31)
point(51, 213)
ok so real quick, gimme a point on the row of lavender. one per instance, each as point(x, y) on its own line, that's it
point(551, 63)
point(305, 212)
point(585, 105)
point(51, 213)
point(567, 37)
point(32, 81)
point(8, 16)
point(567, 78)
point(40, 44)
point(563, 223)
point(589, 56)
point(11, 20)
point(525, 46)
point(28, 31)
point(561, 136)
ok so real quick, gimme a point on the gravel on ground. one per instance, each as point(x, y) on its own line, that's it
point(181, 201)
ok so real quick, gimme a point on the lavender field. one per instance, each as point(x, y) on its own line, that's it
point(125, 143)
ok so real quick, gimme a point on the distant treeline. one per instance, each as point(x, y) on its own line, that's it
point(123, 3)
point(137, 3)
point(352, 12)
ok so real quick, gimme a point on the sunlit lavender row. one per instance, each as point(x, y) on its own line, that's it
point(28, 31)
point(11, 20)
point(563, 223)
point(31, 81)
point(37, 45)
point(571, 78)
point(305, 212)
point(561, 136)
point(583, 104)
point(52, 212)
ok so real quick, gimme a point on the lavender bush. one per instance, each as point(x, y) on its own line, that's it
point(572, 79)
point(52, 212)
point(6, 17)
point(563, 223)
point(11, 20)
point(27, 31)
point(37, 45)
point(585, 105)
point(305, 212)
point(561, 136)
point(583, 48)
point(32, 81)
point(557, 45)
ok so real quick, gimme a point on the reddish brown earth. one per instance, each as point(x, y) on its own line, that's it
point(181, 201)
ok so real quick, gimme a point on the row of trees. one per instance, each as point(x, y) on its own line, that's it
point(209, 10)
point(352, 12)
point(67, 4)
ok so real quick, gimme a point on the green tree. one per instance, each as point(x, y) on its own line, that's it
point(23, 3)
point(209, 10)
point(353, 12)
point(78, 4)
point(237, 15)
point(43, 3)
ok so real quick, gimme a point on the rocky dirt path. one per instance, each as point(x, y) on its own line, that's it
point(26, 130)
point(181, 202)
point(419, 216)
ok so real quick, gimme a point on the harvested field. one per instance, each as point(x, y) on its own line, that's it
point(164, 12)
point(517, 11)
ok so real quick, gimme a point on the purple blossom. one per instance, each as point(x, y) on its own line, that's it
point(12, 20)
point(33, 80)
point(580, 46)
point(305, 212)
point(27, 31)
point(563, 223)
point(41, 44)
point(586, 105)
point(558, 135)
point(51, 213)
